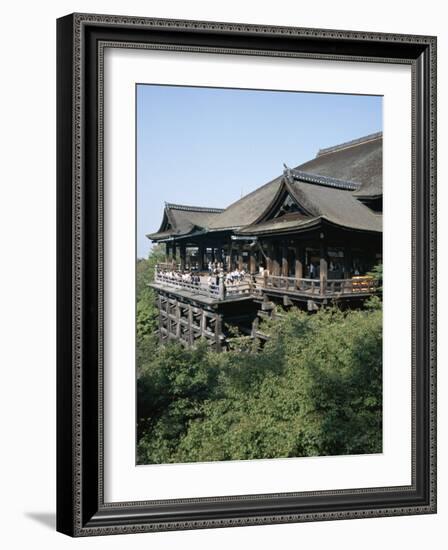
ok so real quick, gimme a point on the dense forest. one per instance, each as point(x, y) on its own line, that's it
point(314, 389)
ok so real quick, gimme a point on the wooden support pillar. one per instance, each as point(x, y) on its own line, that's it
point(285, 266)
point(201, 257)
point(190, 325)
point(159, 300)
point(218, 328)
point(183, 254)
point(229, 257)
point(299, 262)
point(174, 259)
point(252, 262)
point(203, 324)
point(275, 262)
point(269, 254)
point(347, 262)
point(167, 253)
point(177, 320)
point(323, 267)
point(219, 257)
point(240, 257)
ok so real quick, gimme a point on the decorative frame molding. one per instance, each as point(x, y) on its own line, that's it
point(81, 510)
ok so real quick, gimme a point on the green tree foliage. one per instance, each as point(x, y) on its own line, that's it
point(314, 389)
point(146, 341)
point(146, 312)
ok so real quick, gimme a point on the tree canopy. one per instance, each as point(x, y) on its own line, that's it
point(314, 389)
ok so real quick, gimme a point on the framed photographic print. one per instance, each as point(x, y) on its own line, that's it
point(246, 274)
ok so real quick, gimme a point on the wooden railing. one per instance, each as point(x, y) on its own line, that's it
point(355, 285)
point(330, 287)
point(168, 266)
point(219, 291)
point(255, 285)
point(289, 284)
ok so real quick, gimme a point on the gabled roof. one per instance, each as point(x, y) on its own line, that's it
point(355, 165)
point(325, 201)
point(329, 186)
point(180, 219)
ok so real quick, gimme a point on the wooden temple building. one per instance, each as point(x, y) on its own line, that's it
point(307, 238)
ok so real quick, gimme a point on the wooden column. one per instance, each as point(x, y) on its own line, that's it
point(203, 324)
point(252, 262)
point(159, 300)
point(190, 326)
point(174, 259)
point(285, 266)
point(177, 320)
point(183, 254)
point(299, 261)
point(323, 267)
point(219, 258)
point(229, 266)
point(275, 262)
point(347, 262)
point(221, 288)
point(218, 329)
point(240, 257)
point(167, 253)
point(269, 254)
point(201, 257)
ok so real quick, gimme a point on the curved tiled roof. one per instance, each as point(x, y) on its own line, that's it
point(337, 205)
point(326, 186)
point(359, 161)
point(247, 209)
point(355, 165)
point(180, 219)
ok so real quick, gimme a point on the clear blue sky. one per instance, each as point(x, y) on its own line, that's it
point(208, 146)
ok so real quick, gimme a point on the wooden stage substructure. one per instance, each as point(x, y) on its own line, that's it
point(189, 312)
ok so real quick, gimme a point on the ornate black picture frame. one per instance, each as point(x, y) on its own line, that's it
point(81, 509)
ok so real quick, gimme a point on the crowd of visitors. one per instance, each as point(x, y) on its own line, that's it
point(179, 276)
point(216, 277)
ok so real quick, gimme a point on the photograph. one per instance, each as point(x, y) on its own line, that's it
point(259, 249)
point(246, 273)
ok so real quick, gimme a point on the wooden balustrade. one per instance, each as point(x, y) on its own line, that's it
point(288, 285)
point(333, 287)
point(216, 291)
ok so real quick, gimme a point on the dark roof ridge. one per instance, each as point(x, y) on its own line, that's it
point(351, 143)
point(188, 208)
point(324, 180)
